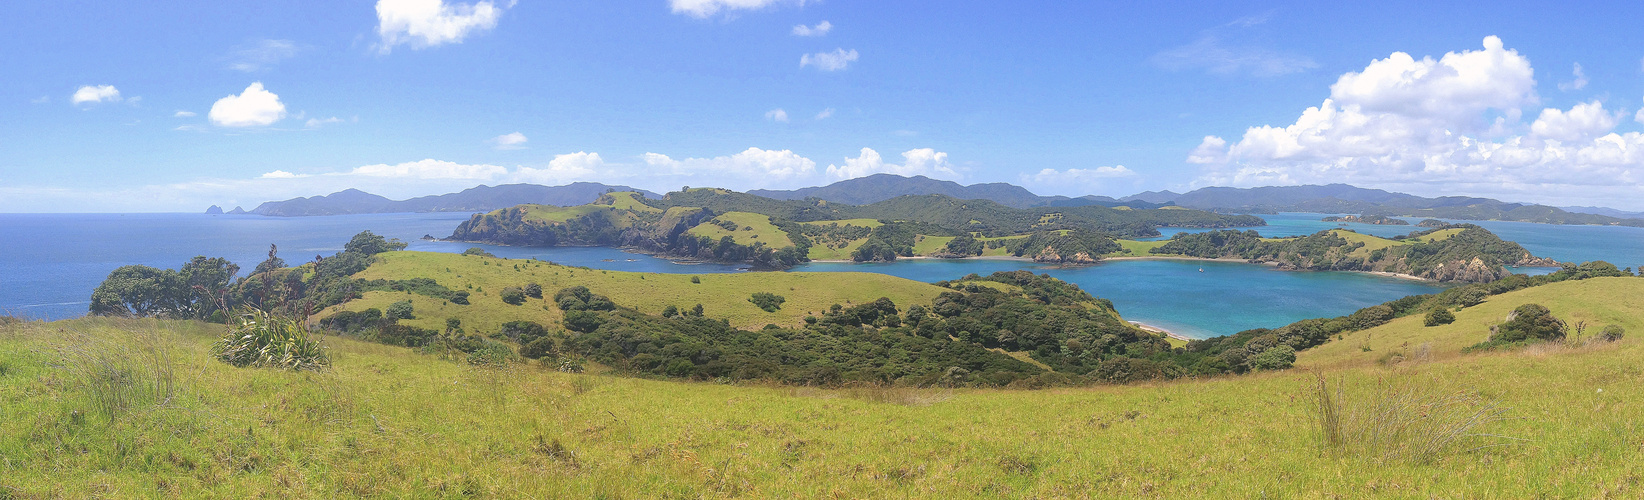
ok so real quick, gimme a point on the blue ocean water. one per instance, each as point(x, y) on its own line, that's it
point(49, 263)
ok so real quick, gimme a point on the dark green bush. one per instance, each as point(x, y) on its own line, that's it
point(533, 290)
point(1612, 333)
point(1276, 358)
point(768, 301)
point(1439, 316)
point(1529, 322)
point(401, 310)
point(513, 295)
point(539, 348)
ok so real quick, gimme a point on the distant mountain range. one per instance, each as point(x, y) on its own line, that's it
point(1332, 198)
point(476, 199)
point(880, 187)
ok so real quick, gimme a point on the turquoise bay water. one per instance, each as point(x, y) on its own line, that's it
point(1227, 297)
point(49, 263)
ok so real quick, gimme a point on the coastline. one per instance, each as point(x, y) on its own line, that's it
point(1155, 329)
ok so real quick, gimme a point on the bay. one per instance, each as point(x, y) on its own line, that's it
point(49, 263)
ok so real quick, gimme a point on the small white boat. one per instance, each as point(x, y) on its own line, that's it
point(1201, 269)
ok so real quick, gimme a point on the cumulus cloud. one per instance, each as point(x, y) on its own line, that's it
point(563, 168)
point(820, 29)
point(255, 107)
point(754, 166)
point(515, 140)
point(703, 9)
point(429, 23)
point(430, 169)
point(923, 161)
point(93, 94)
point(1579, 83)
point(1446, 126)
point(777, 115)
point(262, 55)
point(182, 114)
point(824, 114)
point(280, 174)
point(829, 61)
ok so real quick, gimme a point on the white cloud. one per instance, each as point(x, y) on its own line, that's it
point(280, 174)
point(1579, 83)
point(182, 114)
point(255, 107)
point(829, 61)
point(924, 161)
point(824, 114)
point(1581, 123)
point(1447, 126)
point(321, 122)
point(90, 94)
point(1212, 54)
point(820, 29)
point(777, 115)
point(429, 23)
point(705, 8)
point(514, 140)
point(1077, 178)
point(753, 167)
point(430, 169)
point(563, 168)
point(40, 100)
point(262, 55)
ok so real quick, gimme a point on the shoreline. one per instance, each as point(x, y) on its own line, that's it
point(1156, 329)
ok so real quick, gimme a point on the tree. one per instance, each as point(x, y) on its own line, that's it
point(767, 301)
point(1275, 358)
point(1439, 316)
point(204, 286)
point(136, 291)
point(274, 261)
point(400, 310)
point(368, 243)
point(513, 295)
point(533, 290)
point(1529, 322)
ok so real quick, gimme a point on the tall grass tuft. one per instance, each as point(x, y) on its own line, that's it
point(1402, 424)
point(120, 369)
point(262, 339)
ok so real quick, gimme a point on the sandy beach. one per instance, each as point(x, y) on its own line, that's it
point(1156, 329)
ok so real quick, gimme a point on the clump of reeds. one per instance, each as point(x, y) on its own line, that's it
point(1403, 423)
point(258, 338)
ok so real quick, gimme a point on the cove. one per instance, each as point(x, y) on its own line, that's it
point(1228, 297)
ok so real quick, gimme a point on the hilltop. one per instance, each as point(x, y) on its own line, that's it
point(880, 187)
point(388, 421)
point(1342, 198)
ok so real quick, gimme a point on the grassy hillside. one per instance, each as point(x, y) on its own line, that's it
point(387, 422)
point(721, 295)
point(750, 228)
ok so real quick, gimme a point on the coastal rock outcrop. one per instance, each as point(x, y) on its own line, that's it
point(1465, 271)
point(1050, 255)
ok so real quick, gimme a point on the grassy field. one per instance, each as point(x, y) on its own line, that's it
point(552, 213)
point(721, 295)
point(823, 252)
point(387, 422)
point(751, 228)
point(629, 200)
point(1133, 248)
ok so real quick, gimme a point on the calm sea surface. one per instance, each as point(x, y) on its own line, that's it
point(49, 263)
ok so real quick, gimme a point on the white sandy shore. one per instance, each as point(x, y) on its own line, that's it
point(1156, 329)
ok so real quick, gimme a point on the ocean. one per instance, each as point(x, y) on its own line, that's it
point(49, 263)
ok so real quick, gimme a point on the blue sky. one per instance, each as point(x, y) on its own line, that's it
point(177, 105)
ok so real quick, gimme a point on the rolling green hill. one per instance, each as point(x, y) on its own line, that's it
point(387, 421)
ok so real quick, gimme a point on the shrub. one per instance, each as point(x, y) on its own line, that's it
point(459, 298)
point(1611, 333)
point(1276, 358)
point(768, 301)
point(513, 295)
point(533, 290)
point(1439, 316)
point(523, 332)
point(261, 339)
point(539, 348)
point(477, 251)
point(696, 279)
point(401, 310)
point(583, 321)
point(1529, 322)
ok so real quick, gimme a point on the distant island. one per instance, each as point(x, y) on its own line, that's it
point(726, 226)
point(1333, 198)
point(1381, 220)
